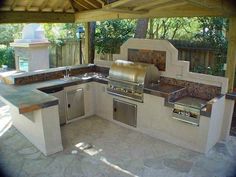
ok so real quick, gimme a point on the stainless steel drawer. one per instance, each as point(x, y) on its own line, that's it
point(125, 112)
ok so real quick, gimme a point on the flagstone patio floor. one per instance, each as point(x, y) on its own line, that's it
point(94, 147)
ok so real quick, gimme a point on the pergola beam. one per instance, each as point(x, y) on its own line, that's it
point(231, 54)
point(158, 12)
point(36, 17)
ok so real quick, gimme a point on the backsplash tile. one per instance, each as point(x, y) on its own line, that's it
point(195, 89)
point(50, 75)
point(158, 58)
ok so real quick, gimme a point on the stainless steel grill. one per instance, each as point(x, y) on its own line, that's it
point(128, 79)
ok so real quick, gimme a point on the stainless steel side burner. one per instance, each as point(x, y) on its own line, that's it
point(188, 110)
point(128, 79)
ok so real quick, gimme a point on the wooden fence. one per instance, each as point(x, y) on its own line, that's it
point(67, 54)
point(197, 57)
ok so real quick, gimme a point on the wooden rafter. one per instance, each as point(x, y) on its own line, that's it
point(150, 4)
point(83, 4)
point(93, 3)
point(58, 5)
point(29, 4)
point(13, 5)
point(125, 10)
point(206, 3)
point(69, 6)
point(170, 5)
point(76, 6)
point(43, 5)
point(101, 2)
point(118, 4)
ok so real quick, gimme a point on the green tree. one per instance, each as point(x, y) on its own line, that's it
point(111, 34)
point(213, 32)
point(9, 32)
point(57, 33)
point(172, 28)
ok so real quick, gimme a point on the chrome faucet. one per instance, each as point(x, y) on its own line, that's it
point(68, 69)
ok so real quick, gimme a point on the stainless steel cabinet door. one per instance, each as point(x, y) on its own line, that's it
point(125, 112)
point(75, 103)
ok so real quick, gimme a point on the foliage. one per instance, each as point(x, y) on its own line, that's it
point(213, 32)
point(7, 56)
point(9, 32)
point(110, 35)
point(172, 28)
point(57, 33)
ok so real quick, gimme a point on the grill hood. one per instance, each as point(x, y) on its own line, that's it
point(131, 72)
point(128, 79)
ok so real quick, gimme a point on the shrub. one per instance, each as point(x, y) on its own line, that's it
point(7, 56)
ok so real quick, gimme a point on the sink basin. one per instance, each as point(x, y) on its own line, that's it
point(71, 78)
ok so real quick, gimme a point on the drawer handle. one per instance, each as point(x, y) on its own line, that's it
point(68, 105)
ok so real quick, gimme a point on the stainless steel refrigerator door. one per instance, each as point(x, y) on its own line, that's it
point(75, 104)
point(125, 112)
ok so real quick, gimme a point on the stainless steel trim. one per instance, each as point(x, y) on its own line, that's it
point(123, 81)
point(125, 96)
point(185, 121)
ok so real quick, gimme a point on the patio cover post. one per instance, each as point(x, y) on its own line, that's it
point(231, 53)
point(86, 43)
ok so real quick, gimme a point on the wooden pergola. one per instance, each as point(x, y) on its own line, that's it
point(70, 11)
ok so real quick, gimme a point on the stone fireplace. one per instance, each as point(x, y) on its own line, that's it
point(31, 52)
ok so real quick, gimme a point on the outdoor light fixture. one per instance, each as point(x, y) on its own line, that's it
point(79, 32)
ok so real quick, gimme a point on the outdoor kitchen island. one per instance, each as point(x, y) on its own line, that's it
point(154, 115)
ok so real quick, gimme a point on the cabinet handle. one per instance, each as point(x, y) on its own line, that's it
point(68, 105)
point(114, 109)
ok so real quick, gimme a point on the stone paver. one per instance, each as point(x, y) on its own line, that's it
point(94, 147)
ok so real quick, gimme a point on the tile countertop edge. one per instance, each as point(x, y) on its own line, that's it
point(231, 96)
point(30, 108)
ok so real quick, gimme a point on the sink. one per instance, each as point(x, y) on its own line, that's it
point(71, 78)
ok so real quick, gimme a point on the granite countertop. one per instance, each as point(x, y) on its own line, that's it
point(29, 98)
point(162, 89)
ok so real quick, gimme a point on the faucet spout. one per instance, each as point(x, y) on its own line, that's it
point(68, 69)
